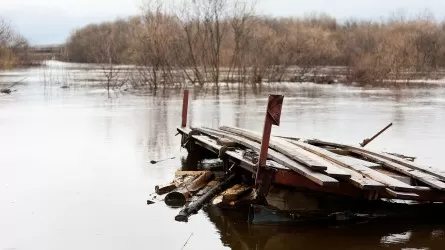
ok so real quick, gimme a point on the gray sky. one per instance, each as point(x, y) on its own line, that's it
point(51, 21)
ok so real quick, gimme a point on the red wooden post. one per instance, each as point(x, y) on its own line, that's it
point(185, 105)
point(273, 114)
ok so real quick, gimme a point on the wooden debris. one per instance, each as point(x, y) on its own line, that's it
point(319, 178)
point(180, 173)
point(416, 174)
point(233, 193)
point(163, 189)
point(180, 196)
point(226, 142)
point(358, 166)
point(402, 195)
point(432, 171)
point(196, 205)
point(282, 146)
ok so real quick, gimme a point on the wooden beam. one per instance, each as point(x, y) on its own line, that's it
point(318, 178)
point(357, 166)
point(416, 174)
point(430, 170)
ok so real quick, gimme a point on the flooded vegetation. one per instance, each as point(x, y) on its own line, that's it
point(76, 171)
point(227, 41)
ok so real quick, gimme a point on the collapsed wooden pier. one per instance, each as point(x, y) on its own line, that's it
point(286, 173)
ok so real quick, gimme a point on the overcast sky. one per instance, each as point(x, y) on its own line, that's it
point(51, 21)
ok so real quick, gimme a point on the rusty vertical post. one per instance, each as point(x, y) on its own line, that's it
point(273, 114)
point(185, 105)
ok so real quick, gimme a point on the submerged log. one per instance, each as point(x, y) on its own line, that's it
point(195, 206)
point(181, 195)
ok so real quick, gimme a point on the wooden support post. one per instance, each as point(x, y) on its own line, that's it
point(185, 105)
point(273, 114)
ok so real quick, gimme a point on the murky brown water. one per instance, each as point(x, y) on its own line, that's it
point(75, 171)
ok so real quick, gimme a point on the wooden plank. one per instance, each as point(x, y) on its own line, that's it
point(353, 177)
point(184, 130)
point(181, 173)
point(335, 168)
point(440, 174)
point(402, 195)
point(285, 148)
point(207, 143)
point(318, 178)
point(416, 174)
point(233, 193)
point(290, 150)
point(358, 166)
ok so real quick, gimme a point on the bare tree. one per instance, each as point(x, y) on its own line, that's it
point(13, 46)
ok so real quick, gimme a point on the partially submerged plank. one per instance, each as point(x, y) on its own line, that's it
point(416, 174)
point(318, 178)
point(440, 174)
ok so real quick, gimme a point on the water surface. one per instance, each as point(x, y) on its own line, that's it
point(75, 171)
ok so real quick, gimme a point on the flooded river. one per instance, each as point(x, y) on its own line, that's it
point(75, 168)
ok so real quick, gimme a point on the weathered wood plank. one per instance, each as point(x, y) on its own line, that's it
point(358, 166)
point(285, 148)
point(292, 151)
point(362, 177)
point(416, 174)
point(401, 195)
point(334, 169)
point(184, 130)
point(318, 178)
point(440, 174)
point(355, 178)
point(234, 192)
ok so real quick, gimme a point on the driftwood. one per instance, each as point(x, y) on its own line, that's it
point(180, 196)
point(163, 189)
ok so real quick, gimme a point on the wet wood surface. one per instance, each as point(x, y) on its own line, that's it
point(319, 178)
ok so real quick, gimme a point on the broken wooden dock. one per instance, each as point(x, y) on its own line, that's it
point(296, 166)
point(312, 165)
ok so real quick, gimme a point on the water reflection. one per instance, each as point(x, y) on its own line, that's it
point(236, 234)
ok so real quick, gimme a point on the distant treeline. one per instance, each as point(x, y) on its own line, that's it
point(13, 46)
point(220, 41)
